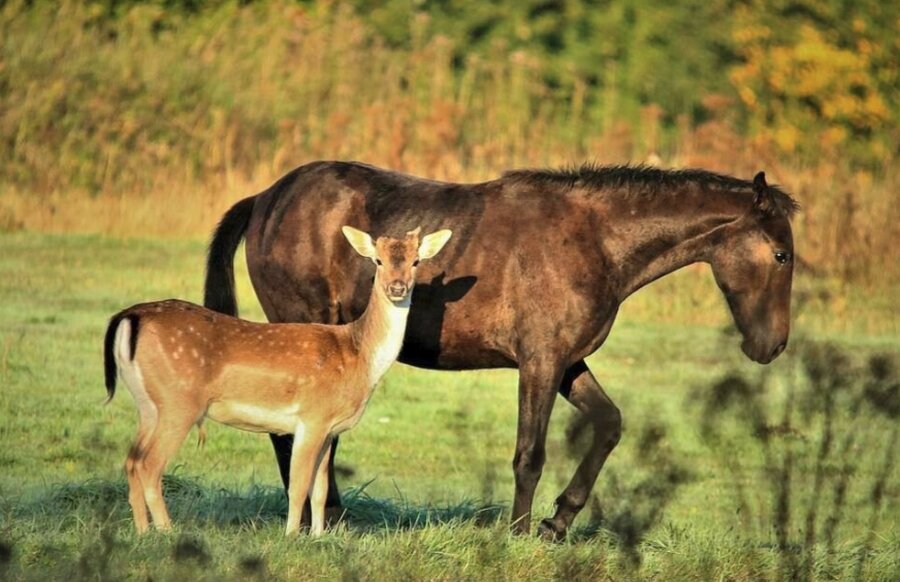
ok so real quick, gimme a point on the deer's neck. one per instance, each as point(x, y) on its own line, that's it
point(378, 334)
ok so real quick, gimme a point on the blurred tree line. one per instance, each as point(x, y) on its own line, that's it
point(116, 100)
point(805, 75)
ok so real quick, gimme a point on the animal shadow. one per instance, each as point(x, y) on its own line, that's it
point(421, 345)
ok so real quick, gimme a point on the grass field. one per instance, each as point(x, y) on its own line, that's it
point(726, 470)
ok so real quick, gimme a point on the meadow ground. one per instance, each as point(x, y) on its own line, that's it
point(726, 470)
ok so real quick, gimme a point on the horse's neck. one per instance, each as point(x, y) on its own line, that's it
point(667, 237)
point(378, 334)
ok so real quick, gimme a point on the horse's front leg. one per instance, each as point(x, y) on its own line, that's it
point(583, 391)
point(538, 384)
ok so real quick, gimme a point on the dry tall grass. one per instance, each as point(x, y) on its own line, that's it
point(153, 124)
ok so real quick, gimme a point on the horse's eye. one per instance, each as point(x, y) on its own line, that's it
point(416, 263)
point(378, 262)
point(782, 257)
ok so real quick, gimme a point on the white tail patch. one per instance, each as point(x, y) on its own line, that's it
point(131, 375)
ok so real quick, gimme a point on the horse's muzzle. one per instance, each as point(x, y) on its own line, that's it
point(761, 356)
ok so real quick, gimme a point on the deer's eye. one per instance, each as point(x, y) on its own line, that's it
point(416, 263)
point(378, 262)
point(782, 257)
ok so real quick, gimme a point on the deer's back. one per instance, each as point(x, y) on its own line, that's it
point(193, 357)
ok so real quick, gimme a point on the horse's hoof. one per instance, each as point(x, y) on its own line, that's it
point(547, 531)
point(334, 515)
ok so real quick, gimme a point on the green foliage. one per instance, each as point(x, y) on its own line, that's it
point(615, 55)
point(800, 69)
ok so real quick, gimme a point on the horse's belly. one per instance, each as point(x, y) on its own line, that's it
point(469, 355)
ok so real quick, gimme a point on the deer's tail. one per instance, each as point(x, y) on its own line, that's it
point(111, 344)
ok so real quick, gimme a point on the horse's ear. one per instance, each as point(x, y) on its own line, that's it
point(762, 199)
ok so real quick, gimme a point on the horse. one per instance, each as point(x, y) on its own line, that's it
point(533, 279)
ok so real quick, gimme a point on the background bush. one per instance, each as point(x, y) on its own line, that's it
point(153, 117)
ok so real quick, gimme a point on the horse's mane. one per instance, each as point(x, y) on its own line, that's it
point(651, 180)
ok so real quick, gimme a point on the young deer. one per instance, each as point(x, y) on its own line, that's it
point(183, 363)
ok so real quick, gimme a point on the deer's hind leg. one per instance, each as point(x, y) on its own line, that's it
point(135, 487)
point(148, 415)
point(167, 437)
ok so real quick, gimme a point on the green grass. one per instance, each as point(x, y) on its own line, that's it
point(689, 493)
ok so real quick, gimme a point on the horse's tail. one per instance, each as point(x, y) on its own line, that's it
point(218, 292)
point(109, 347)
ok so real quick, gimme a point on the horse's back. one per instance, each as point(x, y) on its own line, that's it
point(467, 302)
point(294, 244)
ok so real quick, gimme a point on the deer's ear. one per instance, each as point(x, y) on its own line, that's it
point(433, 243)
point(360, 241)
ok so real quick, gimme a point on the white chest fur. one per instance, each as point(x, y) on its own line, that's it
point(386, 348)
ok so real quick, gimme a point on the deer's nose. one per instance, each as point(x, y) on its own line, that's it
point(397, 289)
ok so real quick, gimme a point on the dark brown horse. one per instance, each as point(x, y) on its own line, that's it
point(532, 280)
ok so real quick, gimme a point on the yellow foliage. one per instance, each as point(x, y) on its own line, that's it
point(787, 136)
point(805, 82)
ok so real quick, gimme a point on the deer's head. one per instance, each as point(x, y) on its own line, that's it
point(396, 259)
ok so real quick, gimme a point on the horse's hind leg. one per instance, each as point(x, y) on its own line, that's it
point(583, 391)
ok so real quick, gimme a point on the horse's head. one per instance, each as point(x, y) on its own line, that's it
point(753, 266)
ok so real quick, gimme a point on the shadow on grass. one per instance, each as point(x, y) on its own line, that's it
point(624, 509)
point(827, 436)
point(190, 501)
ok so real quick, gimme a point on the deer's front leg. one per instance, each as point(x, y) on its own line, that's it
point(538, 383)
point(319, 491)
point(308, 441)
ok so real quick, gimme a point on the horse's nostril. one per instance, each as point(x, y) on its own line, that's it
point(778, 349)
